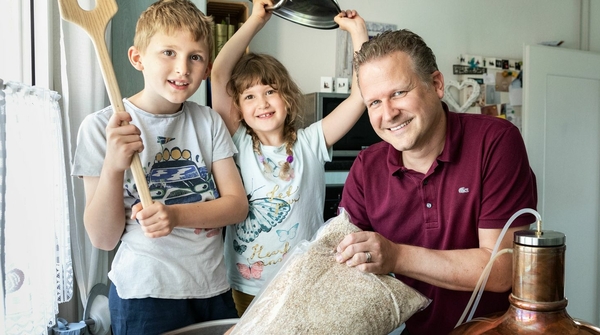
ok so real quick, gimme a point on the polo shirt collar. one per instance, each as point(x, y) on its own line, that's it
point(453, 142)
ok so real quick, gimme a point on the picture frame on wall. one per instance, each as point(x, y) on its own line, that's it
point(341, 85)
point(326, 84)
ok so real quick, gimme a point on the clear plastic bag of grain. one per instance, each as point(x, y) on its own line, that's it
point(314, 294)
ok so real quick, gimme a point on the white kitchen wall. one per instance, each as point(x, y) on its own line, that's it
point(487, 28)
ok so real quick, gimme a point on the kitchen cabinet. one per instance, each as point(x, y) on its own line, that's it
point(227, 16)
point(223, 10)
point(226, 13)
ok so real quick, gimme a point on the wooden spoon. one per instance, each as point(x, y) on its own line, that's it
point(94, 22)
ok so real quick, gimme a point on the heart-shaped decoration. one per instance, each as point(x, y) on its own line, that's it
point(449, 99)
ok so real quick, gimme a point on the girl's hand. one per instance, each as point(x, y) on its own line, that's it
point(122, 142)
point(350, 21)
point(259, 9)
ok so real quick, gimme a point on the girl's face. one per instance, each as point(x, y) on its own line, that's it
point(264, 111)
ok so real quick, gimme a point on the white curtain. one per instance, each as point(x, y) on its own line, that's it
point(65, 62)
point(37, 252)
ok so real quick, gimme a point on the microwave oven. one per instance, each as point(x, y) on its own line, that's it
point(361, 136)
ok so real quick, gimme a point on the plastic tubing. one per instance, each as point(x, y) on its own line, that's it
point(480, 287)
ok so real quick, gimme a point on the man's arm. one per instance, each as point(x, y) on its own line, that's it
point(451, 269)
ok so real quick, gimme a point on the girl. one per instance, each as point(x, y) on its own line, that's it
point(282, 167)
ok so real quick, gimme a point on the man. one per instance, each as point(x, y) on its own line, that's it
point(434, 195)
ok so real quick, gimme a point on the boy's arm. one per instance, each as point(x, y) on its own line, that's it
point(104, 216)
point(345, 115)
point(229, 55)
point(231, 207)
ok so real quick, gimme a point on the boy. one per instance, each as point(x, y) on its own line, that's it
point(169, 270)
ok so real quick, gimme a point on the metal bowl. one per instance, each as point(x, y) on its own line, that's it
point(216, 327)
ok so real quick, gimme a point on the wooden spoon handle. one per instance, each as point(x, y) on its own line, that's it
point(94, 22)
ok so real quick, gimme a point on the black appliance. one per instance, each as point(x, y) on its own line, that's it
point(362, 135)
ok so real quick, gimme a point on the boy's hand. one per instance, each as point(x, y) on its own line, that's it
point(350, 21)
point(122, 142)
point(156, 220)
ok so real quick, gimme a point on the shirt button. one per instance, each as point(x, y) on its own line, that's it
point(429, 205)
point(425, 182)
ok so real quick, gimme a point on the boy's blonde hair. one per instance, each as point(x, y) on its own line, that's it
point(168, 16)
point(263, 69)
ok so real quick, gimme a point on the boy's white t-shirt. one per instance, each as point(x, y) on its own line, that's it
point(179, 150)
point(281, 213)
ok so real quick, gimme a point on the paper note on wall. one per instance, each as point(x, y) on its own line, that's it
point(515, 96)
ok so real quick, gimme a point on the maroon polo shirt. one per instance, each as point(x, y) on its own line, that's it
point(481, 178)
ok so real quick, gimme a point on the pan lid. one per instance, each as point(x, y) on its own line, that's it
point(311, 13)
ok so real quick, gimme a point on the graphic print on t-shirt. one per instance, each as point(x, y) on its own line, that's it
point(263, 214)
point(287, 235)
point(175, 178)
point(267, 234)
point(253, 271)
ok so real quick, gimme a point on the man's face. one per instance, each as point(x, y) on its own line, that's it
point(403, 110)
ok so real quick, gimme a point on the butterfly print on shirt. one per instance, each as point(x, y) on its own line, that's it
point(253, 271)
point(263, 214)
point(239, 248)
point(287, 235)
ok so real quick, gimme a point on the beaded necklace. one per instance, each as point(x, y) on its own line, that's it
point(286, 172)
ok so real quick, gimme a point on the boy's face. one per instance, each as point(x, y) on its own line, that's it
point(173, 66)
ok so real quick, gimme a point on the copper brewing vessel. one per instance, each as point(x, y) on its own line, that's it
point(537, 302)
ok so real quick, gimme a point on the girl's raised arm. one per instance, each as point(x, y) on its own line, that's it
point(345, 115)
point(229, 55)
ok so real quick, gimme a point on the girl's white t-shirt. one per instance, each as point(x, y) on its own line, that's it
point(281, 212)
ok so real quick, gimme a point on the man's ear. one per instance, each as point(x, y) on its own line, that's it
point(135, 58)
point(438, 83)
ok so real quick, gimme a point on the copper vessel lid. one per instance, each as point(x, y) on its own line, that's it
point(545, 238)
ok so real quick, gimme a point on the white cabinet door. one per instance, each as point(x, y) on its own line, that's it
point(561, 128)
